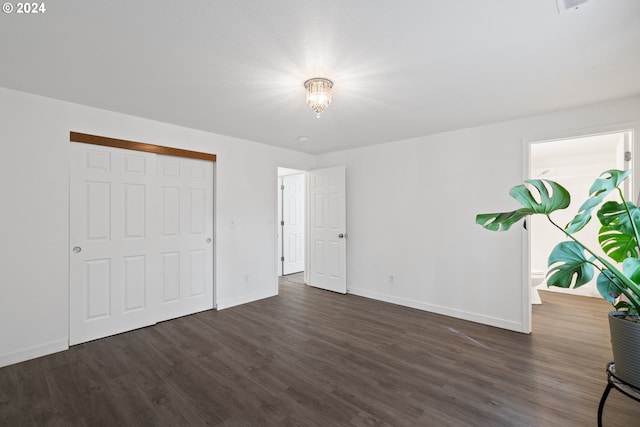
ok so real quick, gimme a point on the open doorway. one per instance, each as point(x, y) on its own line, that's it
point(574, 163)
point(312, 231)
point(291, 220)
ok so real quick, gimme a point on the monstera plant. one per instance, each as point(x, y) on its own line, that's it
point(572, 264)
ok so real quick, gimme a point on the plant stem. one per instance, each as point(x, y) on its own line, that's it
point(626, 208)
point(573, 238)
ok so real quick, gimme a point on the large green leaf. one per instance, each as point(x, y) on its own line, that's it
point(609, 285)
point(617, 244)
point(500, 221)
point(605, 184)
point(568, 266)
point(617, 236)
point(551, 196)
point(616, 213)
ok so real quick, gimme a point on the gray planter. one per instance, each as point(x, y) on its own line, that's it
point(625, 343)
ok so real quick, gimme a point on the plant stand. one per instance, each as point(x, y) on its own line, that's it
point(623, 387)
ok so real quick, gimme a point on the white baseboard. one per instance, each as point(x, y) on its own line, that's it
point(465, 315)
point(33, 352)
point(232, 302)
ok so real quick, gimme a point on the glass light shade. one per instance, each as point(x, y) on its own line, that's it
point(318, 94)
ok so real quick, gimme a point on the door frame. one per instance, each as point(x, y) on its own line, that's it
point(527, 142)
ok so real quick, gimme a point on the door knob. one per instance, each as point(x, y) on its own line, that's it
point(209, 240)
point(342, 236)
point(77, 249)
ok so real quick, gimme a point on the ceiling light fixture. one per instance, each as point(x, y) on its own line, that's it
point(318, 94)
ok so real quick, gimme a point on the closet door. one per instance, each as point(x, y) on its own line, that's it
point(140, 235)
point(112, 267)
point(185, 235)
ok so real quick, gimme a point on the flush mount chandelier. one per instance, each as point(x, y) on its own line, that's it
point(318, 94)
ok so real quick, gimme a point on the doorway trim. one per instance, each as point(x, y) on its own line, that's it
point(285, 221)
point(288, 170)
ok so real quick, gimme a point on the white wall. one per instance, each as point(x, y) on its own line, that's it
point(411, 209)
point(34, 218)
point(34, 229)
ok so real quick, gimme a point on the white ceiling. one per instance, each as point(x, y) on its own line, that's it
point(401, 69)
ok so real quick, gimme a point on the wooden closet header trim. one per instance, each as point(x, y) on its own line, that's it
point(138, 146)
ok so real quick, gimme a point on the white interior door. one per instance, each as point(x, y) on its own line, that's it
point(121, 266)
point(327, 257)
point(292, 223)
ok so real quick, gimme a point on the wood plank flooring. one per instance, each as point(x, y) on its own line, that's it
point(314, 358)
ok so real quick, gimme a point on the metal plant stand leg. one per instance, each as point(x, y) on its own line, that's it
point(602, 400)
point(629, 390)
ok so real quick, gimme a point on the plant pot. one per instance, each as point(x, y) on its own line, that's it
point(625, 343)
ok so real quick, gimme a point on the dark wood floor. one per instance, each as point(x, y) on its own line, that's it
point(314, 358)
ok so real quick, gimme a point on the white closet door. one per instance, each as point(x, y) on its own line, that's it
point(140, 234)
point(185, 242)
point(112, 271)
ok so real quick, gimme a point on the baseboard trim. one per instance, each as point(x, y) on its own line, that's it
point(33, 352)
point(459, 314)
point(232, 302)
